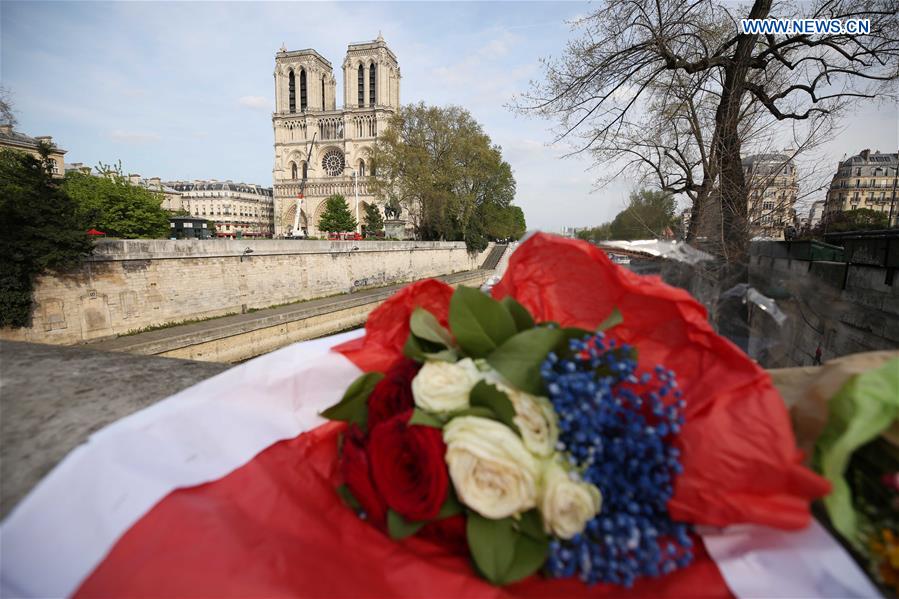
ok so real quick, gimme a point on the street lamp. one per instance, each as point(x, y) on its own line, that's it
point(356, 193)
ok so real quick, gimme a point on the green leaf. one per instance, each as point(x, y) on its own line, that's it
point(529, 555)
point(480, 411)
point(425, 325)
point(353, 407)
point(506, 551)
point(519, 358)
point(479, 322)
point(400, 528)
point(486, 395)
point(422, 350)
point(347, 496)
point(492, 545)
point(422, 418)
point(451, 507)
point(612, 320)
point(521, 316)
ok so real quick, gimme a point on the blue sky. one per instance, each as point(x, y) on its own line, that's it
point(185, 90)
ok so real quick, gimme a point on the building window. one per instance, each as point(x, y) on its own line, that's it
point(361, 168)
point(372, 73)
point(361, 86)
point(323, 93)
point(292, 91)
point(293, 170)
point(333, 163)
point(305, 170)
point(303, 104)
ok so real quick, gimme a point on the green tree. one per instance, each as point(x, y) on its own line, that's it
point(598, 233)
point(374, 222)
point(336, 217)
point(519, 225)
point(40, 230)
point(442, 167)
point(859, 219)
point(113, 205)
point(647, 216)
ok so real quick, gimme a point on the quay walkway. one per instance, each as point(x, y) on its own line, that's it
point(231, 339)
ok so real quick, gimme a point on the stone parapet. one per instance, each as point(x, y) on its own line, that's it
point(134, 285)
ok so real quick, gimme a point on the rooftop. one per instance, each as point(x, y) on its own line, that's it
point(285, 53)
point(15, 138)
point(213, 185)
point(774, 157)
point(867, 157)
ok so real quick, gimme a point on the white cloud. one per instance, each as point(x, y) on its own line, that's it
point(254, 102)
point(133, 137)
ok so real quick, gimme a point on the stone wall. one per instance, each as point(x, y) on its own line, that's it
point(844, 308)
point(132, 285)
point(847, 308)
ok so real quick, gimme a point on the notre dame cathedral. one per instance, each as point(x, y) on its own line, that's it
point(320, 149)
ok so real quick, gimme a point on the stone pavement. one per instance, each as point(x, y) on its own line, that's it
point(52, 398)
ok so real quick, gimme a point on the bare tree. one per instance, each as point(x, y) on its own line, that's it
point(7, 115)
point(630, 53)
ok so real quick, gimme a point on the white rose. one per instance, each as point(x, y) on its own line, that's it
point(535, 416)
point(491, 470)
point(565, 504)
point(536, 419)
point(444, 387)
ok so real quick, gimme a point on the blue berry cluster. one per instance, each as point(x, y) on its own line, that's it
point(617, 430)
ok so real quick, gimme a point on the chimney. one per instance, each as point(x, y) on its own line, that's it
point(134, 179)
point(5, 128)
point(865, 153)
point(156, 182)
point(45, 138)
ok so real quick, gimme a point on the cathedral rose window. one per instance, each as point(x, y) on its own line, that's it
point(332, 162)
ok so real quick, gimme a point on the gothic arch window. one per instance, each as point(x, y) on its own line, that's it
point(360, 84)
point(303, 104)
point(305, 170)
point(292, 91)
point(323, 93)
point(372, 79)
point(293, 170)
point(361, 167)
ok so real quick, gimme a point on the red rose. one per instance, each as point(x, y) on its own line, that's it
point(449, 533)
point(356, 470)
point(393, 393)
point(408, 467)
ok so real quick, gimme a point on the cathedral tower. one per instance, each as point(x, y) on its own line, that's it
point(371, 76)
point(337, 142)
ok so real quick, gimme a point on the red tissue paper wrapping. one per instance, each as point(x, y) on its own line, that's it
point(740, 460)
point(276, 527)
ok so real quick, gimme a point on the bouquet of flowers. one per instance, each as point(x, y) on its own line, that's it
point(580, 423)
point(532, 443)
point(510, 433)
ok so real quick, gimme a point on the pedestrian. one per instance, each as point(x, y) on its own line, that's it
point(817, 361)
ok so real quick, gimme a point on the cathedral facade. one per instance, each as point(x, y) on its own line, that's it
point(320, 149)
